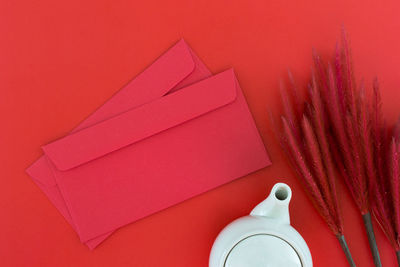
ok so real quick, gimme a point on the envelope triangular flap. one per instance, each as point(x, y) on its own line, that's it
point(143, 122)
point(172, 70)
point(167, 71)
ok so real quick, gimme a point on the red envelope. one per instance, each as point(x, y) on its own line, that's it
point(151, 146)
point(178, 67)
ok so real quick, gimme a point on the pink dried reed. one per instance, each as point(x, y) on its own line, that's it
point(306, 142)
point(350, 122)
point(338, 131)
point(385, 195)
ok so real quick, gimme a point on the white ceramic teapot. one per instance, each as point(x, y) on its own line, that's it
point(263, 239)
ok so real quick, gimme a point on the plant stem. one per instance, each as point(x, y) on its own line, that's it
point(398, 257)
point(346, 250)
point(371, 239)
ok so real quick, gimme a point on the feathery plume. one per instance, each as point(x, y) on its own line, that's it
point(340, 133)
point(386, 185)
point(351, 132)
point(305, 140)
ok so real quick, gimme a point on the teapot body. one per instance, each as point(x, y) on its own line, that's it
point(264, 238)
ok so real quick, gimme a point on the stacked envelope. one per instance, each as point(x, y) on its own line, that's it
point(175, 131)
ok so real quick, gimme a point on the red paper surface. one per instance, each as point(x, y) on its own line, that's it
point(61, 60)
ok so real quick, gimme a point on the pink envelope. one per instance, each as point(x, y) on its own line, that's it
point(177, 68)
point(154, 144)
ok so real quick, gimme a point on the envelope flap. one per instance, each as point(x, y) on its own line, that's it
point(164, 74)
point(143, 122)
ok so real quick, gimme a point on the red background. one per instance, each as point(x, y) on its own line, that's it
point(60, 60)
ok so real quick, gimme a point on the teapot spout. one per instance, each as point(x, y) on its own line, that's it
point(276, 205)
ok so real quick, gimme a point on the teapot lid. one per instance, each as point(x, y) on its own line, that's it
point(263, 250)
